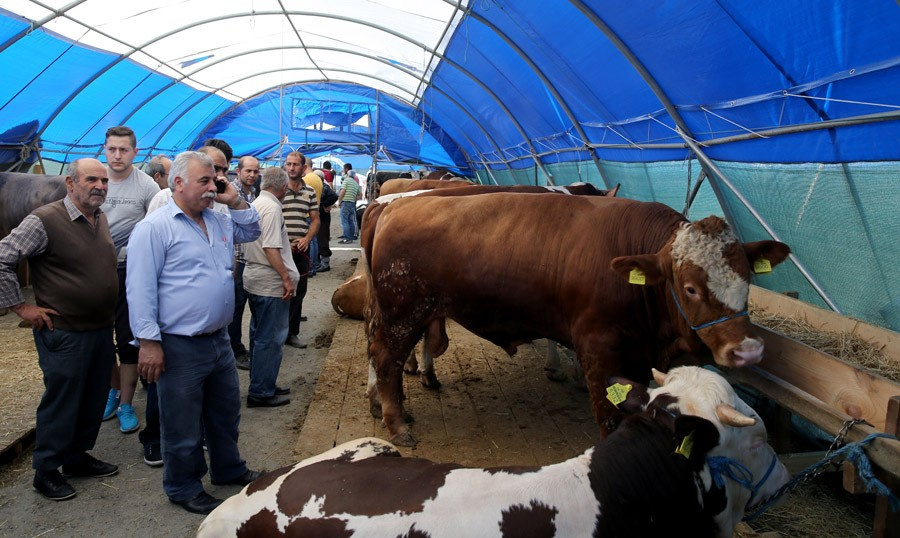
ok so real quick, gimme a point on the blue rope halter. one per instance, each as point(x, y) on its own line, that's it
point(721, 467)
point(703, 325)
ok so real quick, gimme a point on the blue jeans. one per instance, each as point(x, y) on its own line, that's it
point(268, 331)
point(234, 328)
point(313, 255)
point(348, 219)
point(198, 395)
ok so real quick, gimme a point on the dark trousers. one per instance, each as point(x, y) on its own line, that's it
point(76, 367)
point(128, 354)
point(324, 234)
point(150, 434)
point(199, 397)
point(235, 328)
point(301, 259)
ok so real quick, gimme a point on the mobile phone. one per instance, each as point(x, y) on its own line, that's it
point(220, 186)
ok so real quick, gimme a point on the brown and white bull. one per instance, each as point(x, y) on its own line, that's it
point(642, 480)
point(539, 267)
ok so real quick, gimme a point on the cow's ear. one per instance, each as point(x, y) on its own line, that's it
point(764, 255)
point(641, 269)
point(694, 438)
point(627, 395)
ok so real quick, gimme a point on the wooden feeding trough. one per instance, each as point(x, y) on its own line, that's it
point(829, 392)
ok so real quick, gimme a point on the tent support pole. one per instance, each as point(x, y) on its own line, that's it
point(713, 171)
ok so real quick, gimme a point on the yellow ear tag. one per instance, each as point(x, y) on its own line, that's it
point(617, 393)
point(636, 276)
point(762, 265)
point(687, 444)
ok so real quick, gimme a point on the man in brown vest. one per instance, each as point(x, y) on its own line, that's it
point(73, 268)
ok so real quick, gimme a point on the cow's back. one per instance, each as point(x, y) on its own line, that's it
point(395, 186)
point(20, 194)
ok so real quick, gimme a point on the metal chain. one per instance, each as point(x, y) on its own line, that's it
point(839, 438)
point(810, 472)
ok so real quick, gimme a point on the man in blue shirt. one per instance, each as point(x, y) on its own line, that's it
point(180, 285)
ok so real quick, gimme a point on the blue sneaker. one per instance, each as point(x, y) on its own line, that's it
point(127, 421)
point(112, 403)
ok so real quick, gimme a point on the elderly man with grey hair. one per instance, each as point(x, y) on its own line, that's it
point(180, 283)
point(158, 168)
point(270, 282)
point(73, 268)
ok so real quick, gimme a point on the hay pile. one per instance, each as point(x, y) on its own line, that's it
point(21, 383)
point(843, 345)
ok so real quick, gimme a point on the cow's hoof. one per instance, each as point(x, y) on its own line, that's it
point(4, 311)
point(555, 374)
point(404, 439)
point(430, 381)
point(410, 371)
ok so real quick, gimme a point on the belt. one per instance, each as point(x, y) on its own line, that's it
point(204, 335)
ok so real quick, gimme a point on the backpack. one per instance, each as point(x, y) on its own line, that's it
point(329, 197)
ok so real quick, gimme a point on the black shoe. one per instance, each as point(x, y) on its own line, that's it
point(281, 391)
point(323, 268)
point(203, 503)
point(90, 466)
point(52, 485)
point(271, 401)
point(294, 341)
point(152, 455)
point(242, 363)
point(241, 353)
point(304, 318)
point(243, 480)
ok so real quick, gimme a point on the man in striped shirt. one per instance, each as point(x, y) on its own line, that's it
point(301, 216)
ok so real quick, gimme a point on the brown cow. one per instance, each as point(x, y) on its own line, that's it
point(394, 186)
point(349, 299)
point(20, 194)
point(539, 267)
point(668, 470)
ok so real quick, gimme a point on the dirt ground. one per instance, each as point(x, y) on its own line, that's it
point(132, 502)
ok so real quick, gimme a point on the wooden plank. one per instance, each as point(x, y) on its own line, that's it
point(887, 523)
point(777, 303)
point(844, 387)
point(885, 453)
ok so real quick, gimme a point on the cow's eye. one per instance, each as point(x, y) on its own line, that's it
point(690, 290)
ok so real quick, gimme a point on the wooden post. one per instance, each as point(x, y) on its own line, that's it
point(887, 523)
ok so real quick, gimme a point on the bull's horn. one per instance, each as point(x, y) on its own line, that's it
point(731, 416)
point(659, 377)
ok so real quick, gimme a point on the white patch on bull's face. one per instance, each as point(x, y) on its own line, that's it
point(707, 253)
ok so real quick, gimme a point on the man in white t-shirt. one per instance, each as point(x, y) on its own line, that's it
point(270, 282)
point(130, 192)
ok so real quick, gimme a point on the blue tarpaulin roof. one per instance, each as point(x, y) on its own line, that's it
point(789, 107)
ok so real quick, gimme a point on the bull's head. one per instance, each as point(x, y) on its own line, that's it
point(741, 464)
point(706, 274)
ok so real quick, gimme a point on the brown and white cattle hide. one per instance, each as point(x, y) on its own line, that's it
point(539, 267)
point(640, 481)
